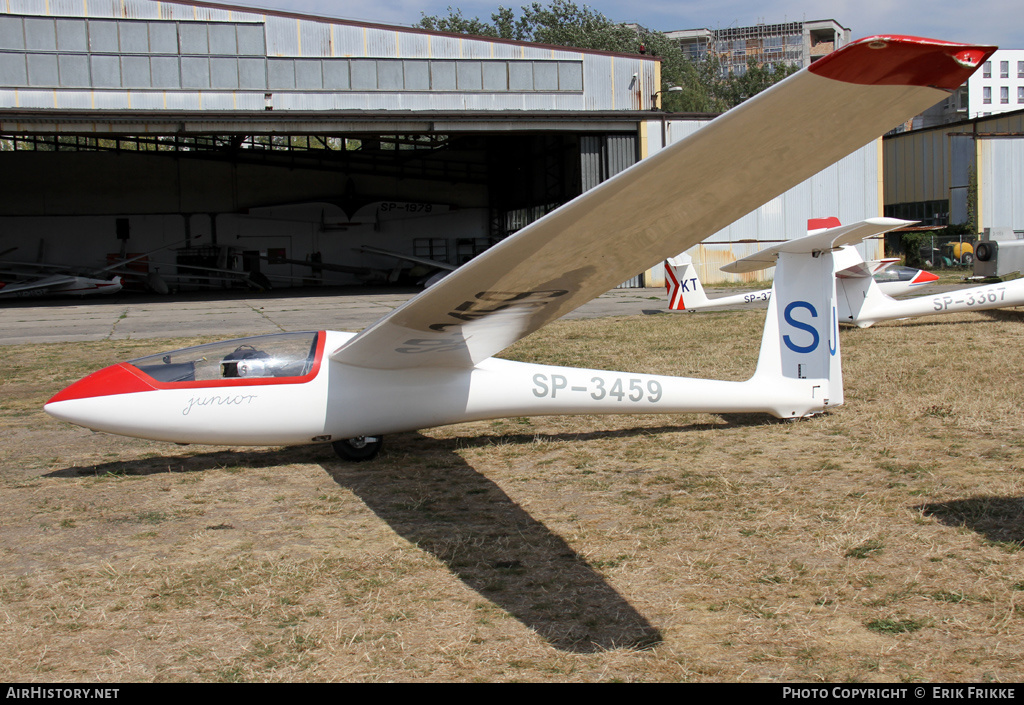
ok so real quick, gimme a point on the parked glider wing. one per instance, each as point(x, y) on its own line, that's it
point(35, 285)
point(667, 202)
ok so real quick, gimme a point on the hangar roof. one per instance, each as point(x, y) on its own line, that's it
point(100, 65)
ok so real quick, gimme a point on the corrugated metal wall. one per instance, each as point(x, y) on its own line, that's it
point(935, 165)
point(602, 157)
point(116, 54)
point(1001, 182)
point(847, 189)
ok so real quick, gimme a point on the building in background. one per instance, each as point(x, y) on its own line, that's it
point(997, 88)
point(798, 43)
point(971, 171)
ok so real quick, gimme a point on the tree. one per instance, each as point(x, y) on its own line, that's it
point(757, 77)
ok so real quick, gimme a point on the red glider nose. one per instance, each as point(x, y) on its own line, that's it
point(924, 277)
point(116, 379)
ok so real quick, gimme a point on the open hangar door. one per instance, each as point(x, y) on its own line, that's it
point(294, 210)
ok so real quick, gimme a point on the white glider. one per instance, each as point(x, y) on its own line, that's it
point(59, 285)
point(430, 362)
point(861, 300)
point(686, 293)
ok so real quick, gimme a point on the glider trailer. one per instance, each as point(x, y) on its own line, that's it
point(430, 362)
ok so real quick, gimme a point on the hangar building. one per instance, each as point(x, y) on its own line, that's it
point(221, 140)
point(938, 175)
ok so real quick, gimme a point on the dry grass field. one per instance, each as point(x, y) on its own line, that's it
point(880, 542)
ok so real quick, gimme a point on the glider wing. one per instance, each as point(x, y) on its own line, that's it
point(666, 203)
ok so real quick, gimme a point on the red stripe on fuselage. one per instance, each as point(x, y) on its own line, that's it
point(124, 378)
point(121, 378)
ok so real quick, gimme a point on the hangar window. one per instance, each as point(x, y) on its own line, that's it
point(495, 76)
point(163, 38)
point(73, 71)
point(469, 75)
point(364, 75)
point(193, 38)
point(42, 70)
point(545, 76)
point(71, 35)
point(40, 34)
point(135, 71)
point(222, 39)
point(12, 33)
point(281, 74)
point(442, 75)
point(435, 248)
point(134, 37)
point(308, 74)
point(165, 72)
point(390, 76)
point(12, 69)
point(570, 76)
point(520, 76)
point(417, 75)
point(224, 72)
point(195, 72)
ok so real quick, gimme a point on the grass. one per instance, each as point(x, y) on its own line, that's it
point(880, 542)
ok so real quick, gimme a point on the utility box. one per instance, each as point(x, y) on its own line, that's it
point(998, 253)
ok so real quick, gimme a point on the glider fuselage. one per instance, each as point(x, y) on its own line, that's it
point(333, 401)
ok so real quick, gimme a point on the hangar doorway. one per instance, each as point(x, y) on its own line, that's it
point(223, 211)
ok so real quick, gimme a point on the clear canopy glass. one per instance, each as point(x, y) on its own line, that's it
point(278, 355)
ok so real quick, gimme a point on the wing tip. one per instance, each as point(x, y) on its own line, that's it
point(903, 60)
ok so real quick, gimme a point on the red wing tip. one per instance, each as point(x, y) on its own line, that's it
point(924, 277)
point(903, 60)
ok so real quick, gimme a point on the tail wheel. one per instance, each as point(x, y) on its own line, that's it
point(359, 449)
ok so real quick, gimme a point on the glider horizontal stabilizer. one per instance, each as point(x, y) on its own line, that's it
point(829, 239)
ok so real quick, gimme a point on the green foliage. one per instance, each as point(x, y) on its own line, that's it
point(737, 89)
point(563, 23)
point(895, 626)
point(910, 244)
point(972, 201)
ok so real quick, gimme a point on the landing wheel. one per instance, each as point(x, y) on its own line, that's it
point(359, 449)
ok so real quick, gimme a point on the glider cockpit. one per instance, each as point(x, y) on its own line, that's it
point(271, 357)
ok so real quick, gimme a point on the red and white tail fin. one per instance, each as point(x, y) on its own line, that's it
point(685, 292)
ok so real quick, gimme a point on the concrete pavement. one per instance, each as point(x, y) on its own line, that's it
point(234, 314)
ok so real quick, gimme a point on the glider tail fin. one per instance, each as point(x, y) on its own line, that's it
point(799, 362)
point(684, 288)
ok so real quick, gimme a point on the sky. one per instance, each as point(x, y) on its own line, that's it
point(996, 22)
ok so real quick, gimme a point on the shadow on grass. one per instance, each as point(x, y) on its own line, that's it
point(427, 494)
point(1014, 315)
point(999, 519)
point(199, 462)
point(526, 438)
